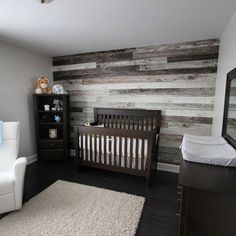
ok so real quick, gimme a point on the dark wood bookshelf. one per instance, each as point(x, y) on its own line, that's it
point(57, 148)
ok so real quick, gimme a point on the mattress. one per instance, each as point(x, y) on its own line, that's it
point(208, 150)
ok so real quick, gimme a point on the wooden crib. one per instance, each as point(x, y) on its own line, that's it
point(127, 143)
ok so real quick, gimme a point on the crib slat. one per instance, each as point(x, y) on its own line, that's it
point(105, 120)
point(112, 125)
point(105, 148)
point(116, 121)
point(142, 155)
point(131, 152)
point(142, 123)
point(95, 148)
point(102, 120)
point(120, 150)
point(108, 121)
point(114, 148)
point(128, 117)
point(147, 123)
point(86, 147)
point(110, 154)
point(100, 149)
point(133, 122)
point(91, 148)
point(125, 156)
point(151, 123)
point(82, 146)
point(136, 154)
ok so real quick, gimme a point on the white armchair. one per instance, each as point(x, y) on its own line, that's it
point(12, 170)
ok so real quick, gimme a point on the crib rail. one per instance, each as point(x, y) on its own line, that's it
point(128, 151)
point(128, 119)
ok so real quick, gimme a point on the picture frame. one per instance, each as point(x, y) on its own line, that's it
point(52, 133)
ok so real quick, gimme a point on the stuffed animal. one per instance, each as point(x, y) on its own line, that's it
point(42, 86)
point(57, 119)
point(58, 89)
point(58, 105)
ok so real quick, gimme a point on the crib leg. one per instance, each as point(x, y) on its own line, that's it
point(148, 179)
point(155, 169)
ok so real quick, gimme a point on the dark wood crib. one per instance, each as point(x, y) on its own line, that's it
point(127, 143)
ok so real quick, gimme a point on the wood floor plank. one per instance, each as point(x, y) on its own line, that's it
point(158, 216)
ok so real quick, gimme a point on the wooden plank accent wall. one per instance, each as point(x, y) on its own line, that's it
point(178, 79)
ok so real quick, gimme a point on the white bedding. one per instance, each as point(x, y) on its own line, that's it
point(208, 149)
point(110, 150)
point(120, 161)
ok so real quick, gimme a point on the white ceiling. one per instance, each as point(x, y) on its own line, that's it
point(75, 26)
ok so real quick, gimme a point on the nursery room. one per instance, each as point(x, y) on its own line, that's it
point(118, 117)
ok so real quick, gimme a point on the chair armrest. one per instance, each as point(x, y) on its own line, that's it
point(19, 175)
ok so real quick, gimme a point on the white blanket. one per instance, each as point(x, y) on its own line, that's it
point(208, 150)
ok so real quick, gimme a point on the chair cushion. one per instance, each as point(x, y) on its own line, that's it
point(11, 130)
point(7, 182)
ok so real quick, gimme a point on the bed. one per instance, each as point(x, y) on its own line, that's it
point(127, 142)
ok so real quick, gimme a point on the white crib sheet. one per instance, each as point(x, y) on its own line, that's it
point(110, 143)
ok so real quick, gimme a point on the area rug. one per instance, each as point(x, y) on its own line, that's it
point(66, 208)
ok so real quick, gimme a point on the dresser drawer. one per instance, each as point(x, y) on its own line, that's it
point(54, 144)
point(52, 155)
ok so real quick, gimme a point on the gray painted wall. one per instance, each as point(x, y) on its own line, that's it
point(19, 69)
point(227, 62)
point(178, 79)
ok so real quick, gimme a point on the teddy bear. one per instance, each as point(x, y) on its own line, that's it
point(42, 86)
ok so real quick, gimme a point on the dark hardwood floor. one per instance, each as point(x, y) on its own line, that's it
point(159, 213)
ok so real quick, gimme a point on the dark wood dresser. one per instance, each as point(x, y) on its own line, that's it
point(207, 198)
point(52, 135)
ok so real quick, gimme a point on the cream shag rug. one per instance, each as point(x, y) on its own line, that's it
point(66, 208)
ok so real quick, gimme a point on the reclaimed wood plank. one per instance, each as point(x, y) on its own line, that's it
point(193, 57)
point(180, 65)
point(99, 57)
point(82, 66)
point(145, 61)
point(126, 70)
point(208, 92)
point(142, 79)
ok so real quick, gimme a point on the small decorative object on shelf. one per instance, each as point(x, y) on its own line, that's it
point(52, 133)
point(58, 105)
point(52, 126)
point(58, 89)
point(46, 108)
point(42, 86)
point(57, 119)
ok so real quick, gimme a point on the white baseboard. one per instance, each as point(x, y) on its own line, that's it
point(31, 159)
point(168, 167)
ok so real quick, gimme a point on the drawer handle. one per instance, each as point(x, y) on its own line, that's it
point(177, 214)
point(180, 187)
